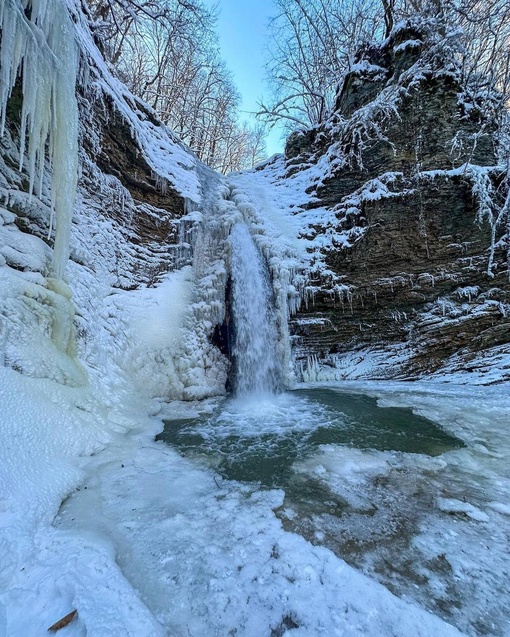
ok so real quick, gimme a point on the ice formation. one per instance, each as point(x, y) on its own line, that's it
point(263, 205)
point(38, 39)
point(200, 367)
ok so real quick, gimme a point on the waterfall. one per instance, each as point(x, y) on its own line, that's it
point(255, 339)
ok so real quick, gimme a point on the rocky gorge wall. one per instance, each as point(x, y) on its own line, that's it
point(412, 279)
point(417, 288)
point(126, 303)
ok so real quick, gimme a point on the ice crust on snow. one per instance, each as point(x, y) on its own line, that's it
point(451, 505)
point(47, 431)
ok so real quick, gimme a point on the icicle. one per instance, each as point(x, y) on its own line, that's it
point(38, 37)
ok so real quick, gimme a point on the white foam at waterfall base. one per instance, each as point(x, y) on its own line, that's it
point(257, 369)
point(253, 415)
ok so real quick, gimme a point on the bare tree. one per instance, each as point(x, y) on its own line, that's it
point(389, 16)
point(311, 46)
point(166, 51)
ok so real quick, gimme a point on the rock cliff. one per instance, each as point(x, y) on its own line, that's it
point(401, 268)
point(417, 277)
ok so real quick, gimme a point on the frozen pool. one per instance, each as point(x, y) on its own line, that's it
point(243, 522)
point(259, 438)
point(389, 491)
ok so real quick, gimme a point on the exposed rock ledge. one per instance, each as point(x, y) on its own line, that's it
point(415, 287)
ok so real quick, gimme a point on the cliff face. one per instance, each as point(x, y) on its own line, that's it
point(381, 220)
point(143, 207)
point(407, 165)
point(127, 283)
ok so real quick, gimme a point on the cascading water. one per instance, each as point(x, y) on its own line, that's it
point(255, 339)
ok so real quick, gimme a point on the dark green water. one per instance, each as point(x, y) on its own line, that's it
point(259, 439)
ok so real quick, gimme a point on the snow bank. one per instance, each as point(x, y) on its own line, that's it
point(151, 330)
point(47, 431)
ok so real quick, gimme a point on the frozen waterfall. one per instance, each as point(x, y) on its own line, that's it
point(38, 38)
point(255, 339)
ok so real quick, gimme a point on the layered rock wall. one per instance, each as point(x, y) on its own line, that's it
point(415, 284)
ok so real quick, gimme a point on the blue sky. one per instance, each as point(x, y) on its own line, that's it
point(242, 27)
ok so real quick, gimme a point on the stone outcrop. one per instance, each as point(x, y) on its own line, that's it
point(116, 184)
point(413, 286)
point(119, 155)
point(144, 208)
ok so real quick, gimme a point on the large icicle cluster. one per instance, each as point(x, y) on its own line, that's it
point(38, 44)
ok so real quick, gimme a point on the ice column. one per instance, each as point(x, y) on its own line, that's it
point(255, 342)
point(38, 38)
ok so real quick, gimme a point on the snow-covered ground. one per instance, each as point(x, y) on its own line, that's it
point(152, 543)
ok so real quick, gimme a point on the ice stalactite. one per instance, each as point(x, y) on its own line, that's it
point(257, 368)
point(200, 367)
point(38, 40)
